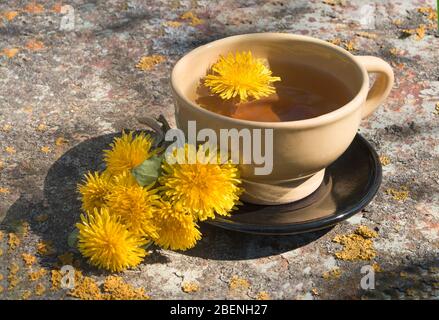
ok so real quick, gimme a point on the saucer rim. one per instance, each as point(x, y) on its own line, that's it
point(318, 223)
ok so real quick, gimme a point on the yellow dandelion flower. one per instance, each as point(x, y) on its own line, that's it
point(240, 75)
point(135, 205)
point(177, 228)
point(94, 190)
point(202, 188)
point(128, 152)
point(107, 243)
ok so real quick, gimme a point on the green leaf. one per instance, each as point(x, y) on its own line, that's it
point(72, 239)
point(148, 172)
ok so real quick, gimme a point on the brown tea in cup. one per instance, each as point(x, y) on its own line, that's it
point(304, 92)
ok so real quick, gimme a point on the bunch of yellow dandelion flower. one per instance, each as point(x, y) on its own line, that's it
point(204, 188)
point(240, 75)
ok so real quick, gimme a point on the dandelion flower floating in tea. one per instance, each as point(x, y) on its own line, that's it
point(107, 243)
point(240, 75)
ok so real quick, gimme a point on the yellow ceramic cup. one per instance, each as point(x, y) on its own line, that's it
point(301, 149)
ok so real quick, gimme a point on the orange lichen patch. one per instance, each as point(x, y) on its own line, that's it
point(86, 289)
point(314, 292)
point(420, 32)
point(60, 141)
point(1, 235)
point(66, 258)
point(115, 288)
point(173, 24)
point(350, 45)
point(1, 289)
point(334, 273)
point(10, 150)
point(385, 160)
point(429, 12)
point(34, 8)
point(41, 127)
point(45, 248)
point(400, 195)
point(148, 62)
point(28, 259)
point(4, 190)
point(436, 108)
point(396, 52)
point(45, 150)
point(356, 246)
point(1, 277)
point(376, 267)
point(2, 165)
point(194, 20)
point(7, 127)
point(41, 217)
point(57, 7)
point(10, 52)
point(40, 289)
point(190, 287)
point(37, 275)
point(10, 15)
point(237, 283)
point(367, 35)
point(13, 241)
point(263, 295)
point(397, 22)
point(26, 294)
point(34, 45)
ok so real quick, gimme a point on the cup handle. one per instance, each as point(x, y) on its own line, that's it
point(382, 85)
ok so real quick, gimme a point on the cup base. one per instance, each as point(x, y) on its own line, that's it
point(281, 192)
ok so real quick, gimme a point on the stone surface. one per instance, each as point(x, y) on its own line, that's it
point(73, 83)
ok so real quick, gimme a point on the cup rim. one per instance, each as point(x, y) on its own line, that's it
point(329, 117)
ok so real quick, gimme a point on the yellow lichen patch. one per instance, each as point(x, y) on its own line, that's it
point(334, 2)
point(37, 275)
point(10, 150)
point(7, 127)
point(45, 150)
point(115, 288)
point(385, 160)
point(237, 283)
point(34, 8)
point(86, 289)
point(356, 246)
point(367, 35)
point(34, 45)
point(26, 294)
point(60, 141)
point(12, 276)
point(45, 248)
point(1, 235)
point(10, 15)
point(173, 24)
point(55, 279)
point(400, 195)
point(376, 267)
point(429, 12)
point(13, 241)
point(396, 52)
point(194, 20)
point(4, 190)
point(420, 32)
point(314, 292)
point(41, 127)
point(349, 45)
point(263, 295)
point(1, 252)
point(28, 259)
point(40, 289)
point(334, 273)
point(148, 62)
point(190, 287)
point(1, 289)
point(436, 108)
point(397, 22)
point(10, 52)
point(41, 217)
point(1, 277)
point(66, 258)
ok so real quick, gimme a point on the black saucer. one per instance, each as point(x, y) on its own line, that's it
point(350, 183)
